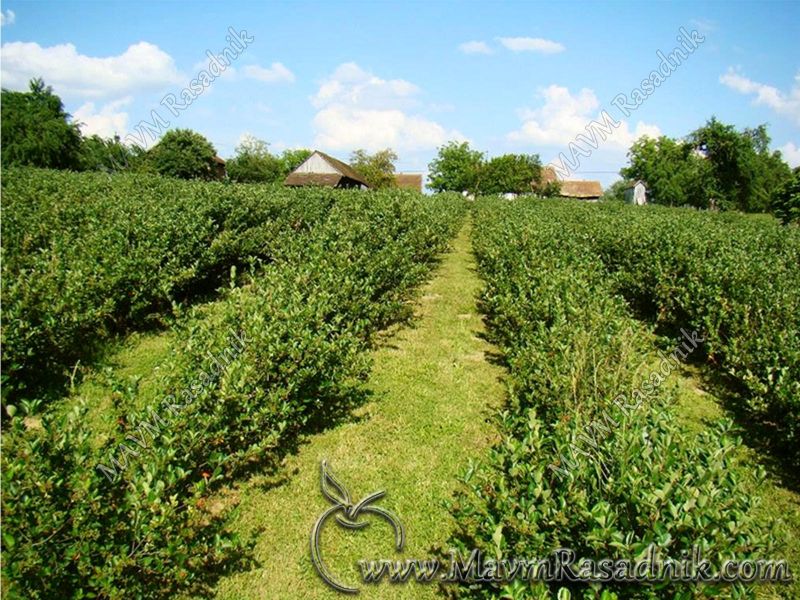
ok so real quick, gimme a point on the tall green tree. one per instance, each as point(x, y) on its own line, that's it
point(745, 173)
point(786, 204)
point(37, 131)
point(185, 154)
point(102, 154)
point(378, 169)
point(254, 163)
point(456, 168)
point(514, 173)
point(675, 173)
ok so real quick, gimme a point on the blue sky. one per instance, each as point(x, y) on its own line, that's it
point(511, 77)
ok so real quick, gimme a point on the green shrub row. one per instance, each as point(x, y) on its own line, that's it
point(283, 352)
point(735, 278)
point(591, 455)
point(86, 255)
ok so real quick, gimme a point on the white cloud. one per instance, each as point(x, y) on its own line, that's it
point(277, 73)
point(7, 17)
point(703, 25)
point(142, 66)
point(787, 105)
point(564, 115)
point(529, 44)
point(475, 47)
point(106, 122)
point(351, 85)
point(791, 154)
point(357, 109)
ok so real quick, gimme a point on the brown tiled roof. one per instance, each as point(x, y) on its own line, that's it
point(344, 168)
point(330, 179)
point(548, 175)
point(411, 181)
point(218, 160)
point(580, 189)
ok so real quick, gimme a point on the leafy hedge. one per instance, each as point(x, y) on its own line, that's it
point(302, 326)
point(591, 455)
point(87, 255)
point(735, 278)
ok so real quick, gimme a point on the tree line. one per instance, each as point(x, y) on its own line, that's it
point(715, 166)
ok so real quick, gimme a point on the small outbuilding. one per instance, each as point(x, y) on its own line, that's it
point(636, 193)
point(218, 167)
point(580, 190)
point(322, 169)
point(409, 181)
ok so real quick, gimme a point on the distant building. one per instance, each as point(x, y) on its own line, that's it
point(636, 193)
point(218, 168)
point(322, 169)
point(581, 189)
point(410, 181)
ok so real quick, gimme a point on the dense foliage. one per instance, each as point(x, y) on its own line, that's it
point(183, 153)
point(715, 166)
point(36, 131)
point(110, 155)
point(786, 204)
point(591, 455)
point(735, 278)
point(300, 327)
point(459, 168)
point(254, 163)
point(511, 173)
point(456, 168)
point(377, 169)
point(88, 255)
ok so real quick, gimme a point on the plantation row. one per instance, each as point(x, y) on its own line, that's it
point(735, 279)
point(592, 456)
point(88, 255)
point(284, 352)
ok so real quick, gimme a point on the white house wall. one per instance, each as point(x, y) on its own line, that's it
point(317, 164)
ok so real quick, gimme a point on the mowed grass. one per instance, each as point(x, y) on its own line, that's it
point(699, 405)
point(434, 393)
point(129, 372)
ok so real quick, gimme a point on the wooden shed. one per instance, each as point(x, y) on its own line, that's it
point(581, 190)
point(322, 169)
point(636, 193)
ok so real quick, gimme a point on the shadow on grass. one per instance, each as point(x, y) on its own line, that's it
point(760, 433)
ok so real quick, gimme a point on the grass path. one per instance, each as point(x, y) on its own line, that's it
point(433, 393)
point(699, 405)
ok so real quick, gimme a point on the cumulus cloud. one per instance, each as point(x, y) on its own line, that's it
point(475, 47)
point(142, 66)
point(529, 44)
point(791, 154)
point(357, 109)
point(563, 115)
point(7, 17)
point(106, 122)
point(785, 104)
point(276, 73)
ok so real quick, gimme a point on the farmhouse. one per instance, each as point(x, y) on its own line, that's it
point(410, 181)
point(580, 189)
point(636, 193)
point(322, 169)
